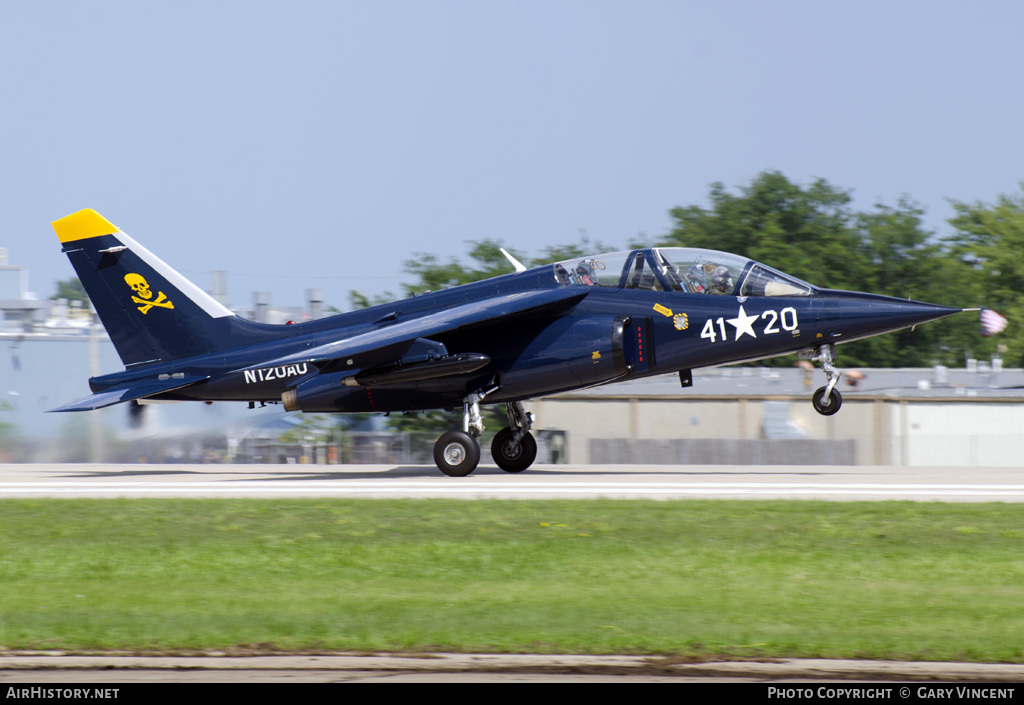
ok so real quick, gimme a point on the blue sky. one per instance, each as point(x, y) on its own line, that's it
point(322, 144)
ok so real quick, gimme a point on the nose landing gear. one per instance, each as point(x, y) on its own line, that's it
point(827, 400)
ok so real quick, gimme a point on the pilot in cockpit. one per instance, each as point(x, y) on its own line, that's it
point(721, 281)
point(584, 273)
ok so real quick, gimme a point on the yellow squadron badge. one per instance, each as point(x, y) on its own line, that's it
point(141, 287)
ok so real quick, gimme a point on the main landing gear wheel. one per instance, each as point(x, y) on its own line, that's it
point(826, 404)
point(514, 449)
point(512, 455)
point(456, 453)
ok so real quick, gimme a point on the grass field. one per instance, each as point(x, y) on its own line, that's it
point(694, 579)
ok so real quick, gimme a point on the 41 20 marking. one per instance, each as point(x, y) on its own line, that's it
point(775, 322)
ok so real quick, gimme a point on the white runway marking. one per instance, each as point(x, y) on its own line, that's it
point(654, 482)
point(497, 487)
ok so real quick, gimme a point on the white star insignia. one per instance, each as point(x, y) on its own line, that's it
point(743, 324)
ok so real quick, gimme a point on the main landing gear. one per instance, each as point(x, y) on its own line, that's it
point(514, 448)
point(457, 453)
point(827, 400)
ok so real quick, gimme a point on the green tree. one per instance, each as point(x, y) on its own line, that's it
point(908, 261)
point(990, 241)
point(70, 289)
point(358, 300)
point(814, 233)
point(486, 261)
point(558, 253)
point(311, 429)
point(432, 274)
point(807, 232)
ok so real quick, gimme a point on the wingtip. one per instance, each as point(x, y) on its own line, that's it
point(82, 224)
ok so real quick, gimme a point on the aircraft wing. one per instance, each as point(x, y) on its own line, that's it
point(130, 391)
point(488, 311)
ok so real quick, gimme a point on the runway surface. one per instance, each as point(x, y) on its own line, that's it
point(659, 482)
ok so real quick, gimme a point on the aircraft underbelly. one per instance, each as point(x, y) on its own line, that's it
point(327, 394)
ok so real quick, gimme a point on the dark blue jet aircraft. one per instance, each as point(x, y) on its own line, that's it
point(549, 329)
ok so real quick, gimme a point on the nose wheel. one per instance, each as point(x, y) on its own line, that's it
point(827, 400)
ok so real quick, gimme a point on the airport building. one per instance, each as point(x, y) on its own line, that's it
point(973, 416)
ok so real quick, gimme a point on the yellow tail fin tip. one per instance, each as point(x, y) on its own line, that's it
point(83, 224)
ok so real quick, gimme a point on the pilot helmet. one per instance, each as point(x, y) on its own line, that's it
point(721, 278)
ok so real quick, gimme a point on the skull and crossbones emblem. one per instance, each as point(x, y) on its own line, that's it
point(141, 287)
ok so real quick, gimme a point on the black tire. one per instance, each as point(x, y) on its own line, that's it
point(827, 409)
point(456, 453)
point(511, 456)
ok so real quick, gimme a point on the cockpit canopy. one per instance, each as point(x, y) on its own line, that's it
point(687, 270)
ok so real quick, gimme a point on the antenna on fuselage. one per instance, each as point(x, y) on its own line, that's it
point(515, 263)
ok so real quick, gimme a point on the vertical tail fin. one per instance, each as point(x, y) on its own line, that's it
point(150, 311)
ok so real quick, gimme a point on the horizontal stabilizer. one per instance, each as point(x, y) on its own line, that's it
point(130, 391)
point(485, 312)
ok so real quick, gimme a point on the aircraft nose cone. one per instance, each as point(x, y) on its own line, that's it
point(844, 314)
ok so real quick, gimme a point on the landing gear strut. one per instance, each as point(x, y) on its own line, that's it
point(827, 400)
point(514, 448)
point(457, 453)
